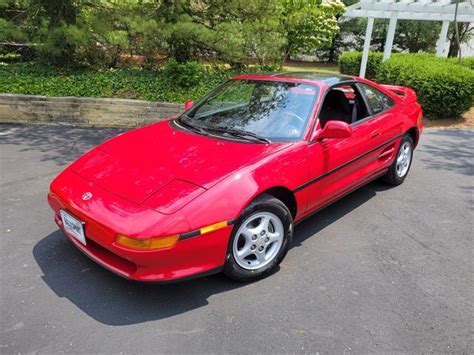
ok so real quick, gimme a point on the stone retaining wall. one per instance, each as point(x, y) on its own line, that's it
point(84, 111)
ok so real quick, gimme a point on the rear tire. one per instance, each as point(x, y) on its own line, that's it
point(260, 239)
point(400, 167)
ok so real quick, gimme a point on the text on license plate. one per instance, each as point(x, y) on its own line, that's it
point(73, 226)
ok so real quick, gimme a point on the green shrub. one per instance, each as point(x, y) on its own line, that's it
point(184, 75)
point(467, 62)
point(349, 63)
point(444, 88)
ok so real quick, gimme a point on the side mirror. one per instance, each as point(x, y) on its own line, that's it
point(335, 129)
point(188, 104)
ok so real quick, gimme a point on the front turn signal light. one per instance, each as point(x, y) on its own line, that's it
point(146, 244)
point(213, 227)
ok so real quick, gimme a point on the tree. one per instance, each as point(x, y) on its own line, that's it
point(14, 36)
point(229, 30)
point(102, 32)
point(417, 36)
point(338, 44)
point(237, 31)
point(59, 29)
point(308, 24)
point(466, 31)
point(120, 28)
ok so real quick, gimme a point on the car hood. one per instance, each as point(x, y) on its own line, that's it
point(163, 157)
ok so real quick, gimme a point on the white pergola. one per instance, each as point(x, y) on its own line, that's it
point(422, 10)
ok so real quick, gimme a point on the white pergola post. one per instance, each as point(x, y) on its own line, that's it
point(441, 45)
point(365, 52)
point(392, 25)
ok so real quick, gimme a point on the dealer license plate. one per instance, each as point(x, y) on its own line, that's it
point(73, 226)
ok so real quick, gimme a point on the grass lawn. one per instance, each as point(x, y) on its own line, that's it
point(329, 68)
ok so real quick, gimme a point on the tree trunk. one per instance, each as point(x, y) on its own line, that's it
point(453, 46)
point(332, 50)
point(286, 54)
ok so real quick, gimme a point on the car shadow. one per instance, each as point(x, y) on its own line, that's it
point(332, 213)
point(112, 300)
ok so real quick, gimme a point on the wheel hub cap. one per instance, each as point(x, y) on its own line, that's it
point(253, 253)
point(403, 159)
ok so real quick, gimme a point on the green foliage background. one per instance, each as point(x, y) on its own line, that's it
point(100, 32)
point(172, 50)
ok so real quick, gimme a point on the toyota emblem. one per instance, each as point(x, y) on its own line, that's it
point(86, 196)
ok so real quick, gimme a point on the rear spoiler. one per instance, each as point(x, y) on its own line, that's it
point(406, 94)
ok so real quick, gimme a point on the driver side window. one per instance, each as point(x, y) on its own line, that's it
point(343, 103)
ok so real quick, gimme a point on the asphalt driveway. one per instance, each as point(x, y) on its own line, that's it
point(382, 270)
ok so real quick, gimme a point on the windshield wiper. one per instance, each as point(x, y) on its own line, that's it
point(192, 127)
point(239, 133)
point(232, 131)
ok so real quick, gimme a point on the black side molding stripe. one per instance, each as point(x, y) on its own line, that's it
point(306, 184)
point(189, 234)
point(197, 232)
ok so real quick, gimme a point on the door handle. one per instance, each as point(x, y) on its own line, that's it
point(375, 134)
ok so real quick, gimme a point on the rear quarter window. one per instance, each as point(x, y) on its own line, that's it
point(377, 100)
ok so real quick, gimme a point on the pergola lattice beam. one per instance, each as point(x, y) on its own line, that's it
point(409, 16)
point(414, 10)
point(421, 10)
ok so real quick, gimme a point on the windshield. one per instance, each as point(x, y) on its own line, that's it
point(272, 110)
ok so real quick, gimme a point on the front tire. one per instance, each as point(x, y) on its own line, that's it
point(260, 239)
point(401, 165)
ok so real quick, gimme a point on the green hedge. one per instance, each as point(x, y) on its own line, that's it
point(467, 62)
point(349, 63)
point(173, 83)
point(444, 88)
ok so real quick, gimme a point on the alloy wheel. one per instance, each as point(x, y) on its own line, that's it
point(403, 159)
point(258, 240)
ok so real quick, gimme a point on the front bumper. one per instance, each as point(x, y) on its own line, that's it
point(195, 255)
point(200, 255)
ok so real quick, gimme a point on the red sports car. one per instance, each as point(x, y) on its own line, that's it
point(220, 187)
